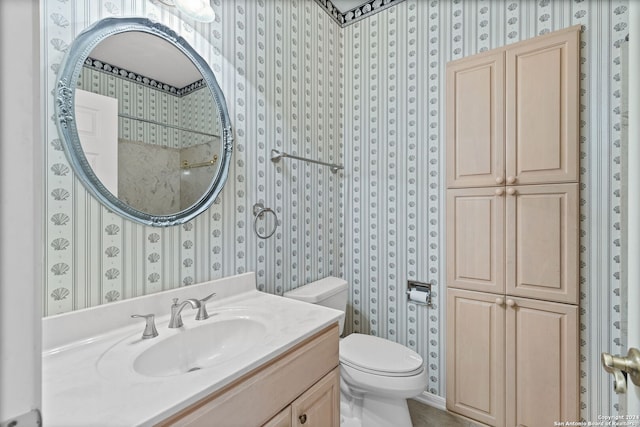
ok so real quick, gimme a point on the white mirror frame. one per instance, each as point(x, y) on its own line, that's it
point(65, 118)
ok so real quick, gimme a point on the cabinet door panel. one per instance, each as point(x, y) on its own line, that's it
point(475, 356)
point(542, 363)
point(475, 120)
point(475, 239)
point(283, 419)
point(542, 242)
point(319, 406)
point(542, 109)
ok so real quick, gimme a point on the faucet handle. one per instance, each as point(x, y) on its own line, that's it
point(150, 330)
point(202, 311)
point(207, 298)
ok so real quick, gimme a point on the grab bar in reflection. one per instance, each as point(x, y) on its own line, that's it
point(277, 155)
point(167, 125)
point(187, 165)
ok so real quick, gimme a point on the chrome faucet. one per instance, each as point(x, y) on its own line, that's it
point(176, 309)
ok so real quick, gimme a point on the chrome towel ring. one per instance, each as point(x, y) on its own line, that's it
point(259, 211)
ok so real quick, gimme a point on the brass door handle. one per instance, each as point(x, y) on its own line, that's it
point(616, 365)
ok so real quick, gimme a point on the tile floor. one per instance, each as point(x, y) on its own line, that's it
point(427, 416)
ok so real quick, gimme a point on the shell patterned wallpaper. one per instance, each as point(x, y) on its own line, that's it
point(276, 62)
point(393, 94)
point(188, 110)
point(371, 96)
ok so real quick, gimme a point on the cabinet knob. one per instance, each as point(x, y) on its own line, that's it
point(511, 191)
point(499, 191)
point(499, 180)
point(511, 180)
point(499, 301)
point(303, 418)
point(511, 303)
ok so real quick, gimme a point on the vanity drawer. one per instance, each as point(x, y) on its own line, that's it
point(255, 398)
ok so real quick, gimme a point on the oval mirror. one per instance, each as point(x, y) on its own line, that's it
point(143, 121)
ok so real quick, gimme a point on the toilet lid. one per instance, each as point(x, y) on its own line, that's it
point(379, 356)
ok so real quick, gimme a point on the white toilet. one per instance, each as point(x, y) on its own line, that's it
point(377, 376)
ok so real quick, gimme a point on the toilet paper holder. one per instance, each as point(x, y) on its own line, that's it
point(418, 288)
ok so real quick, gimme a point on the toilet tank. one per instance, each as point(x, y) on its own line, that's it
point(329, 292)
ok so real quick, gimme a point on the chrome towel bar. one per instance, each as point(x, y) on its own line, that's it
point(166, 125)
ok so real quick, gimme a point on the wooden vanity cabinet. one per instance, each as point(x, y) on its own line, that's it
point(476, 355)
point(512, 232)
point(542, 374)
point(512, 113)
point(532, 229)
point(303, 384)
point(475, 234)
point(542, 236)
point(317, 407)
point(475, 120)
point(511, 361)
point(542, 109)
point(283, 419)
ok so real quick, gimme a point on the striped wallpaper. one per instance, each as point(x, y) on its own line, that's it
point(192, 111)
point(369, 95)
point(393, 95)
point(277, 64)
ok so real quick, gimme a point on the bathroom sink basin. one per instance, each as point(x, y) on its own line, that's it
point(199, 347)
point(97, 366)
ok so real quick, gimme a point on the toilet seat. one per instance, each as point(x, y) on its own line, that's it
point(401, 387)
point(382, 373)
point(378, 356)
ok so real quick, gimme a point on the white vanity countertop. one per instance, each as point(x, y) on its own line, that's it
point(77, 393)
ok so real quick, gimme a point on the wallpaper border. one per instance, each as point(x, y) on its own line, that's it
point(105, 67)
point(357, 13)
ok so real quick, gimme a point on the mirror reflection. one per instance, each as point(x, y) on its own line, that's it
point(147, 123)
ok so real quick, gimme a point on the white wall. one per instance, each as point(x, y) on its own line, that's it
point(20, 209)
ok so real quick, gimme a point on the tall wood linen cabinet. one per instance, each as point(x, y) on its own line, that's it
point(512, 232)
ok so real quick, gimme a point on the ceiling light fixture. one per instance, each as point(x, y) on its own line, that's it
point(198, 10)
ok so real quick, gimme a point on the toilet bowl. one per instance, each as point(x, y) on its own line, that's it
point(377, 376)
